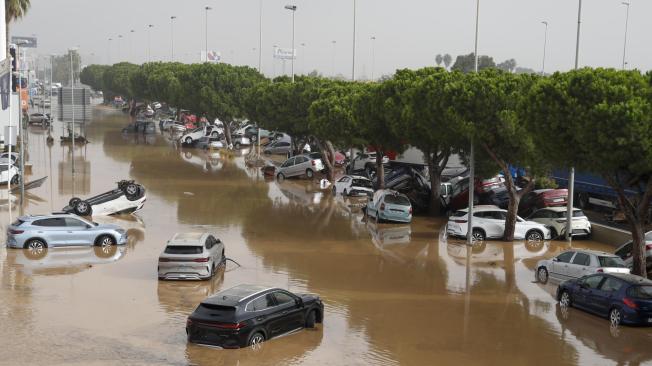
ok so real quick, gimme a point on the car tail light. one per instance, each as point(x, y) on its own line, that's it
point(314, 163)
point(460, 221)
point(410, 210)
point(164, 260)
point(15, 232)
point(647, 247)
point(230, 325)
point(630, 303)
point(200, 260)
point(600, 270)
point(382, 207)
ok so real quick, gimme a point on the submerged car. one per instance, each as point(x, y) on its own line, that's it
point(625, 251)
point(39, 118)
point(129, 197)
point(353, 185)
point(9, 173)
point(278, 147)
point(555, 219)
point(577, 263)
point(43, 231)
point(388, 205)
point(239, 141)
point(542, 198)
point(190, 256)
point(623, 298)
point(299, 165)
point(247, 315)
point(489, 223)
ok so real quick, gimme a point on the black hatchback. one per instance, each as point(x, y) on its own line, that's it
point(247, 315)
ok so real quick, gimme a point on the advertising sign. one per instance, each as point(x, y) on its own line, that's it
point(285, 53)
point(29, 42)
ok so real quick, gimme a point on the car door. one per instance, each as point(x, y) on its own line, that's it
point(286, 166)
point(579, 266)
point(560, 265)
point(342, 184)
point(585, 291)
point(601, 298)
point(79, 232)
point(291, 311)
point(52, 230)
point(625, 253)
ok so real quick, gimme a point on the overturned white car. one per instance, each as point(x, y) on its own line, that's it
point(127, 198)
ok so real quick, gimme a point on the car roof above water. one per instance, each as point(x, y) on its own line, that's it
point(191, 238)
point(28, 218)
point(235, 295)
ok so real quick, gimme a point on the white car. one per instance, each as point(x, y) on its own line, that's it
point(194, 135)
point(190, 256)
point(239, 141)
point(576, 263)
point(489, 223)
point(365, 162)
point(555, 219)
point(129, 197)
point(625, 251)
point(354, 185)
point(9, 173)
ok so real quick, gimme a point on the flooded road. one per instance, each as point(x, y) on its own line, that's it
point(393, 294)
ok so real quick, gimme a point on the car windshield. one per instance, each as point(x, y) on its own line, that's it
point(576, 213)
point(611, 262)
point(640, 292)
point(4, 167)
point(397, 199)
point(362, 183)
point(459, 214)
point(182, 249)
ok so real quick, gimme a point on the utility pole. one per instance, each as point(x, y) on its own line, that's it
point(469, 234)
point(571, 174)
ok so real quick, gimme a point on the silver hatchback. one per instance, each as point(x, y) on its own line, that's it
point(190, 256)
point(300, 165)
point(578, 263)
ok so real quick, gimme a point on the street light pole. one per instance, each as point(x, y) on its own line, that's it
point(626, 26)
point(469, 233)
point(260, 35)
point(303, 59)
point(131, 45)
point(571, 174)
point(545, 44)
point(119, 47)
point(333, 65)
point(72, 108)
point(373, 56)
point(149, 42)
point(207, 8)
point(110, 39)
point(172, 18)
point(353, 61)
point(293, 9)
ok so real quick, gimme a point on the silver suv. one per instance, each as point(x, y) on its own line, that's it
point(191, 256)
point(300, 165)
point(578, 263)
point(43, 231)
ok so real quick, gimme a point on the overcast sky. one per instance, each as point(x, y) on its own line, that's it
point(409, 33)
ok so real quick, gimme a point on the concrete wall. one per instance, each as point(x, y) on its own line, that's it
point(611, 236)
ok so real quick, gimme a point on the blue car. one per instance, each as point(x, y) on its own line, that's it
point(388, 205)
point(623, 298)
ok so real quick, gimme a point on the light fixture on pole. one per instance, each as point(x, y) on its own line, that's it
point(353, 61)
point(545, 44)
point(373, 56)
point(206, 8)
point(172, 18)
point(293, 9)
point(469, 232)
point(626, 26)
point(149, 42)
point(571, 173)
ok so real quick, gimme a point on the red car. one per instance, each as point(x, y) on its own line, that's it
point(460, 196)
point(541, 198)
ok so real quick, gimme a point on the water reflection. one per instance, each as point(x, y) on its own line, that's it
point(180, 298)
point(62, 261)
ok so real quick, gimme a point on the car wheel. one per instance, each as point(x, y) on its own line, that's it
point(542, 275)
point(311, 319)
point(534, 235)
point(553, 233)
point(15, 179)
point(132, 191)
point(309, 173)
point(615, 317)
point(256, 339)
point(82, 208)
point(237, 146)
point(214, 134)
point(345, 193)
point(188, 140)
point(280, 177)
point(565, 300)
point(104, 241)
point(73, 202)
point(35, 249)
point(478, 235)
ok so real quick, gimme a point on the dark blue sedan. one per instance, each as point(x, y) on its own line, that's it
point(624, 298)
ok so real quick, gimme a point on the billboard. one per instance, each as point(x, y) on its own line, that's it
point(211, 56)
point(285, 53)
point(29, 42)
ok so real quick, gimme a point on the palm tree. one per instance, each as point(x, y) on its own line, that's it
point(15, 9)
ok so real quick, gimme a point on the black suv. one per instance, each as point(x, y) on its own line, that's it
point(247, 315)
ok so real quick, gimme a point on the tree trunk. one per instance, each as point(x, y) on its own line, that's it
point(330, 161)
point(227, 133)
point(436, 164)
point(380, 170)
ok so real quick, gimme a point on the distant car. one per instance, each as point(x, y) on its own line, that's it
point(484, 190)
point(190, 256)
point(489, 223)
point(207, 142)
point(577, 263)
point(299, 165)
point(622, 298)
point(129, 197)
point(190, 137)
point(388, 205)
point(239, 141)
point(43, 231)
point(278, 147)
point(625, 251)
point(365, 162)
point(252, 133)
point(39, 118)
point(542, 198)
point(146, 127)
point(247, 315)
point(13, 156)
point(9, 173)
point(353, 185)
point(555, 219)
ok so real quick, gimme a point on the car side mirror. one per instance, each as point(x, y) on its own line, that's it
point(89, 226)
point(555, 259)
point(299, 302)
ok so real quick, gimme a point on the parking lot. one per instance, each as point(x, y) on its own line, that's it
point(393, 294)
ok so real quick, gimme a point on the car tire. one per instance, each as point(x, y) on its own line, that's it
point(615, 316)
point(188, 140)
point(132, 191)
point(542, 275)
point(104, 241)
point(553, 233)
point(214, 135)
point(311, 319)
point(73, 201)
point(236, 146)
point(310, 174)
point(345, 193)
point(478, 235)
point(255, 339)
point(35, 249)
point(83, 208)
point(280, 177)
point(15, 179)
point(565, 299)
point(534, 235)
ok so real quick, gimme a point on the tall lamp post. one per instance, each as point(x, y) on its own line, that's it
point(373, 56)
point(109, 61)
point(172, 18)
point(149, 42)
point(545, 44)
point(131, 45)
point(626, 26)
point(571, 174)
point(119, 47)
point(19, 68)
point(260, 35)
point(353, 61)
point(206, 9)
point(293, 9)
point(333, 64)
point(469, 233)
point(303, 58)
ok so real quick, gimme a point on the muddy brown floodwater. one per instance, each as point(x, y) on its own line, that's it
point(394, 294)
